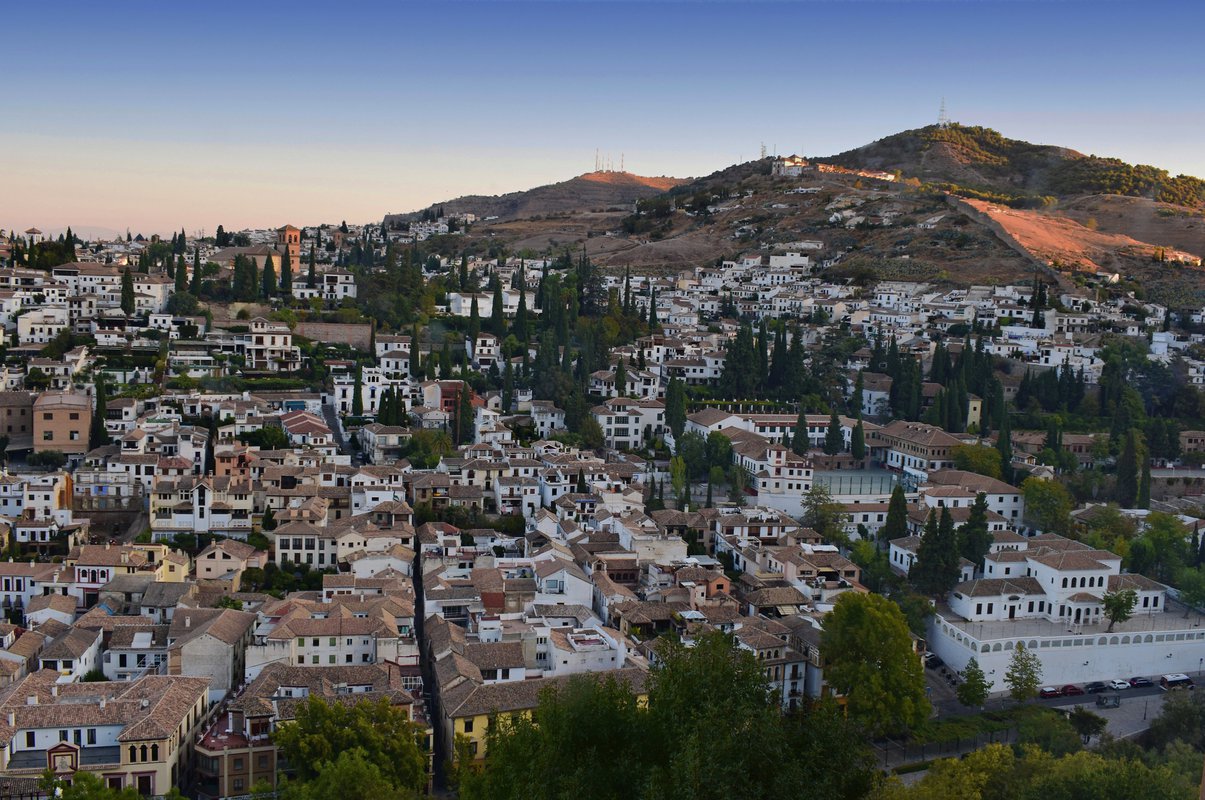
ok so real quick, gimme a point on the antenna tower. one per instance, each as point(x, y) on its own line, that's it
point(943, 119)
point(596, 159)
point(763, 149)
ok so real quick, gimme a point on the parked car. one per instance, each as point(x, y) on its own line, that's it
point(1050, 691)
point(1096, 687)
point(1140, 681)
point(1119, 684)
point(1071, 690)
point(933, 661)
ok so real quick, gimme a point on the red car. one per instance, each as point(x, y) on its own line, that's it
point(1071, 690)
point(1049, 691)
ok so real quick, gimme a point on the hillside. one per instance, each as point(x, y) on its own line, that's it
point(592, 191)
point(971, 207)
point(971, 160)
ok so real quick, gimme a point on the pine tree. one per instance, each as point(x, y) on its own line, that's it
point(834, 441)
point(127, 292)
point(896, 525)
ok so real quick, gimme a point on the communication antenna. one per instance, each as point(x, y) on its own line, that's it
point(621, 162)
point(763, 150)
point(943, 119)
point(596, 159)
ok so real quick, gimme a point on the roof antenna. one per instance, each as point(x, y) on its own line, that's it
point(943, 119)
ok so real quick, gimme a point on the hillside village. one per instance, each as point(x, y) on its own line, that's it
point(315, 462)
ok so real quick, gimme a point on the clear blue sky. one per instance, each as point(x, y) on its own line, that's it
point(162, 115)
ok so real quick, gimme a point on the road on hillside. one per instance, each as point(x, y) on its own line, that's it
point(332, 422)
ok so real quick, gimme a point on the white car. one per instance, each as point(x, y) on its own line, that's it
point(1117, 683)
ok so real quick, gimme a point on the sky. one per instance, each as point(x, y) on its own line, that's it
point(154, 116)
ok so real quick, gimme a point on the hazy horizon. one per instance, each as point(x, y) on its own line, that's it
point(156, 118)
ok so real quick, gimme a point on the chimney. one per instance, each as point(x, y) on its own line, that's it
point(107, 545)
point(54, 690)
point(146, 702)
point(103, 701)
point(12, 719)
point(187, 622)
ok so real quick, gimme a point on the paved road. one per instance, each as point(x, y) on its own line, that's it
point(332, 422)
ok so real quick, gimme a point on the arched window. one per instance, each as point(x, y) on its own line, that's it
point(142, 753)
point(154, 752)
point(1064, 583)
point(133, 753)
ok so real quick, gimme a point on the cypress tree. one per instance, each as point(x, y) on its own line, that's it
point(312, 277)
point(675, 406)
point(286, 273)
point(858, 441)
point(896, 524)
point(1129, 470)
point(181, 277)
point(357, 400)
point(464, 417)
point(834, 441)
point(653, 324)
point(268, 288)
point(974, 541)
point(1144, 485)
point(414, 365)
point(1005, 447)
point(799, 439)
point(621, 379)
point(858, 400)
point(99, 436)
point(508, 386)
point(195, 285)
point(474, 321)
point(497, 315)
point(127, 292)
point(520, 328)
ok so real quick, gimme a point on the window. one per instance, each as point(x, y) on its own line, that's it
point(468, 726)
point(92, 736)
point(47, 436)
point(31, 739)
point(62, 736)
